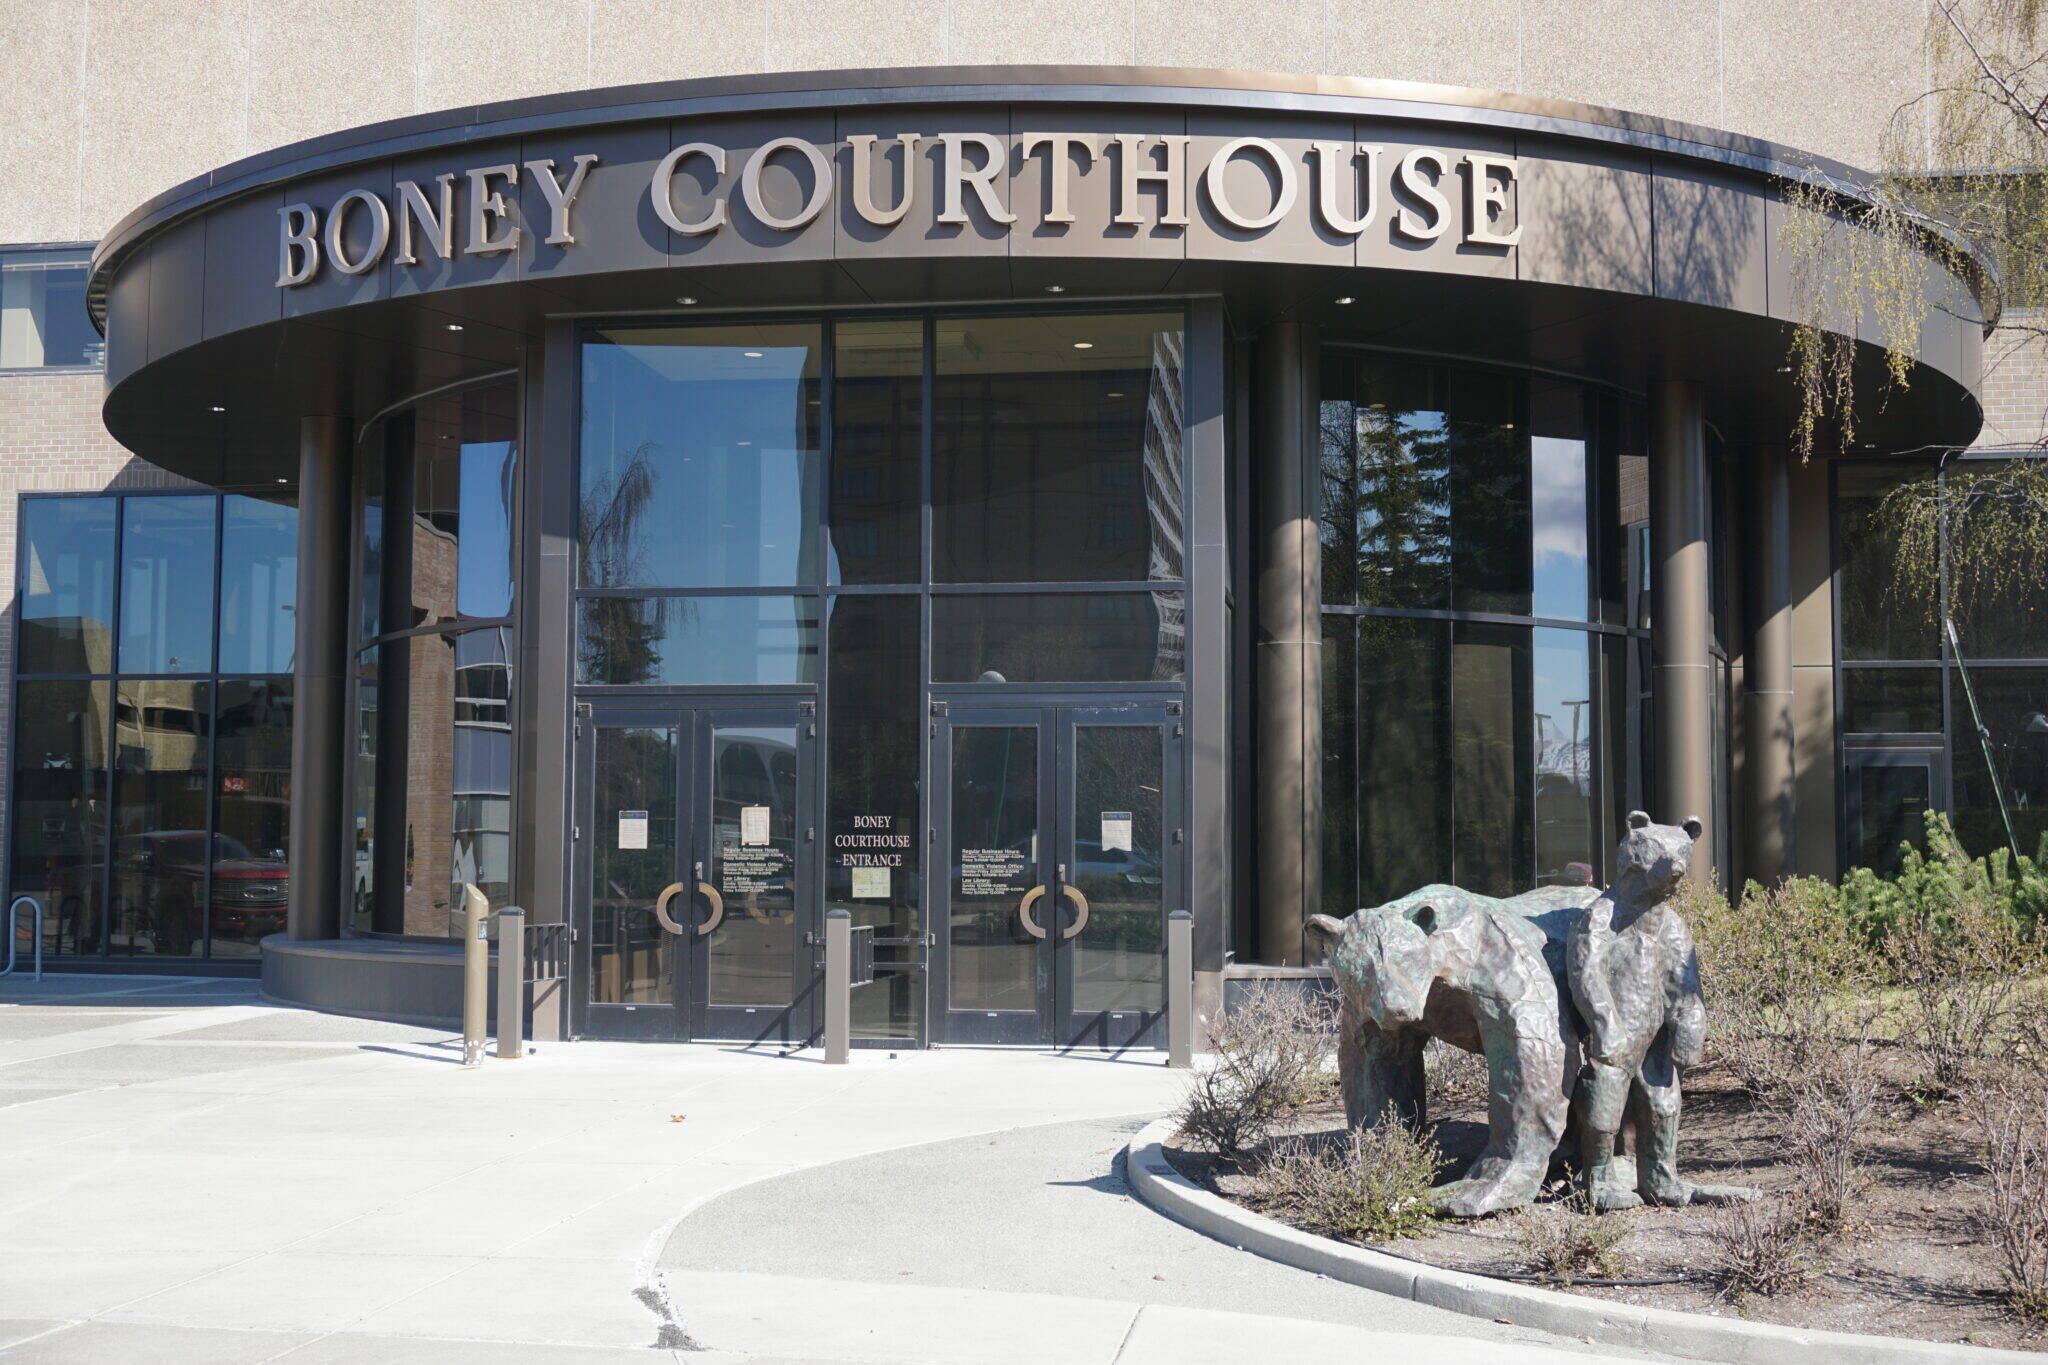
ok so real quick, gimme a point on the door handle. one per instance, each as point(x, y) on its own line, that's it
point(668, 894)
point(1073, 893)
point(709, 893)
point(1031, 898)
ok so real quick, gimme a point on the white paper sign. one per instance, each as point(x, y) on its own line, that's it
point(753, 826)
point(871, 883)
point(632, 829)
point(1116, 831)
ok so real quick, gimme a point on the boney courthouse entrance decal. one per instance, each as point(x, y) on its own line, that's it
point(1248, 185)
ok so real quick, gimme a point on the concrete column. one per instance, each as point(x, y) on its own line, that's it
point(1289, 640)
point(320, 680)
point(1682, 682)
point(1768, 695)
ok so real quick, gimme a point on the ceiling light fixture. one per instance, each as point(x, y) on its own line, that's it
point(1084, 345)
point(686, 299)
point(217, 408)
point(454, 326)
point(1347, 299)
point(751, 355)
point(1055, 289)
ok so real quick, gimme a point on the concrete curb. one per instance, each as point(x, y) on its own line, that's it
point(1692, 1335)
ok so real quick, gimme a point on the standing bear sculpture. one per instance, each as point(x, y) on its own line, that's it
point(1585, 1003)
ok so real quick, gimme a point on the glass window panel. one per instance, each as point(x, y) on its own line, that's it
point(1624, 479)
point(2001, 614)
point(1891, 701)
point(370, 603)
point(753, 767)
point(700, 459)
point(1492, 757)
point(464, 467)
point(259, 567)
point(43, 317)
point(1892, 804)
point(1404, 756)
point(2014, 706)
point(697, 640)
point(1402, 517)
point(60, 808)
point(1118, 962)
point(1560, 512)
point(1340, 765)
point(1337, 461)
point(162, 851)
point(67, 585)
point(1566, 826)
point(252, 816)
point(1877, 620)
point(421, 766)
point(1488, 456)
point(876, 519)
point(480, 828)
point(1056, 449)
point(992, 961)
point(1054, 637)
point(167, 547)
point(362, 873)
point(631, 955)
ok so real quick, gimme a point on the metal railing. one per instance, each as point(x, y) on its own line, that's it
point(14, 934)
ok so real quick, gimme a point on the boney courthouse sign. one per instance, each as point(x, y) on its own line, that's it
point(1347, 189)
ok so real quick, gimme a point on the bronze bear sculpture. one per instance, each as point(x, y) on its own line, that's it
point(1585, 1003)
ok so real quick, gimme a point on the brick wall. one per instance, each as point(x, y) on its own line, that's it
point(51, 440)
point(2016, 381)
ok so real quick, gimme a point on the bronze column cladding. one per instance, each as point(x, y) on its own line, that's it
point(1683, 679)
point(319, 679)
point(1290, 645)
point(1769, 730)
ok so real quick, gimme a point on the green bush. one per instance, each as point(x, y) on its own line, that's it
point(1932, 882)
point(1369, 1185)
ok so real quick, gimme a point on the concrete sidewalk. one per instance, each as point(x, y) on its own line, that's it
point(189, 1175)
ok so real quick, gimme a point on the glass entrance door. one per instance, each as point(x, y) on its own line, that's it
point(693, 860)
point(1061, 826)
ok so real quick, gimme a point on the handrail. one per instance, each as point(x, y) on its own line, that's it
point(13, 938)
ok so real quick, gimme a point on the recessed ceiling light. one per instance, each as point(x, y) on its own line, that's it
point(1347, 299)
point(752, 355)
point(217, 408)
point(454, 326)
point(1084, 345)
point(1055, 289)
point(284, 480)
point(746, 443)
point(686, 299)
point(1117, 394)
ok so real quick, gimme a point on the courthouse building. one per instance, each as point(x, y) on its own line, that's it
point(686, 468)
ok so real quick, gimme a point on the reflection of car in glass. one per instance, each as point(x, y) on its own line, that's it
point(160, 884)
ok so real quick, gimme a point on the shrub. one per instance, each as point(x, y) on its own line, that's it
point(1760, 1248)
point(2013, 1213)
point(1567, 1241)
point(1935, 877)
point(1825, 1111)
point(1272, 1057)
point(1371, 1185)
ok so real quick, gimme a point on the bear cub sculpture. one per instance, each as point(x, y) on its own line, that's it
point(1585, 1003)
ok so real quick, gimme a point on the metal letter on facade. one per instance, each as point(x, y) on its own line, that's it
point(1484, 194)
point(1422, 187)
point(662, 190)
point(1057, 166)
point(863, 145)
point(488, 212)
point(436, 220)
point(1134, 168)
point(298, 244)
point(981, 179)
point(561, 198)
point(821, 189)
point(337, 232)
point(1334, 162)
point(1218, 169)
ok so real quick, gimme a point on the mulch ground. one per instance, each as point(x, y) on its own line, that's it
point(1914, 1265)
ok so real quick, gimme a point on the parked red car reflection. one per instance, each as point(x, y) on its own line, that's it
point(159, 887)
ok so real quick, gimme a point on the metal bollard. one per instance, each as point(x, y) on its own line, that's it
point(838, 986)
point(511, 982)
point(1180, 989)
point(476, 973)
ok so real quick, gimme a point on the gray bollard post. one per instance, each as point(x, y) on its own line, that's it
point(476, 973)
point(511, 982)
point(838, 986)
point(1180, 989)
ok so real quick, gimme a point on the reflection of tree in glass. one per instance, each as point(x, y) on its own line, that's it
point(1403, 507)
point(621, 636)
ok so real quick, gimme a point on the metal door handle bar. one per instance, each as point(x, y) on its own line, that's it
point(1080, 901)
point(717, 914)
point(1031, 898)
point(661, 904)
